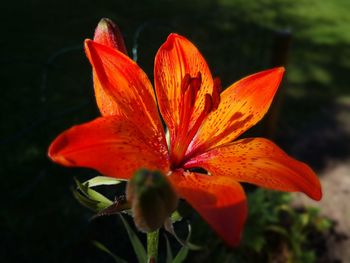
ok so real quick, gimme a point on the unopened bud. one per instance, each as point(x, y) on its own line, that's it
point(107, 33)
point(152, 198)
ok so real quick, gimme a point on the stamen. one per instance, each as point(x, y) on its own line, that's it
point(185, 83)
point(190, 87)
point(208, 105)
point(216, 93)
point(186, 111)
point(211, 104)
point(196, 82)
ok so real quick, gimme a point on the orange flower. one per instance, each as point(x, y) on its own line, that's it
point(202, 122)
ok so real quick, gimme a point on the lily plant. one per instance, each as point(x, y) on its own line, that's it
point(186, 128)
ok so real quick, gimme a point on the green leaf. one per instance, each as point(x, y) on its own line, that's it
point(257, 243)
point(181, 256)
point(135, 241)
point(285, 208)
point(278, 229)
point(105, 249)
point(169, 254)
point(102, 180)
point(323, 224)
point(304, 219)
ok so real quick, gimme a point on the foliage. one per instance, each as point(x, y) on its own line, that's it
point(99, 203)
point(274, 222)
point(275, 231)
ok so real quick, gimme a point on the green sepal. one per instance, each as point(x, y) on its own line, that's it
point(85, 201)
point(181, 256)
point(102, 180)
point(175, 217)
point(168, 225)
point(90, 198)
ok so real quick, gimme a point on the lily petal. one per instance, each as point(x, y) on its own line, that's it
point(111, 145)
point(241, 106)
point(123, 80)
point(219, 200)
point(176, 61)
point(107, 33)
point(261, 162)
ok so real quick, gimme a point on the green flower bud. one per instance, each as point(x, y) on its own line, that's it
point(152, 199)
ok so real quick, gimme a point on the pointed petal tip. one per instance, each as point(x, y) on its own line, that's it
point(55, 151)
point(87, 43)
point(104, 22)
point(169, 42)
point(171, 39)
point(280, 69)
point(313, 191)
point(87, 47)
point(173, 36)
point(317, 194)
point(276, 70)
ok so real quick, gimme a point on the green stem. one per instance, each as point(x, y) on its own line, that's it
point(152, 246)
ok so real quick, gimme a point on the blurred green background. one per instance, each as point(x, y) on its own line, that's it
point(47, 87)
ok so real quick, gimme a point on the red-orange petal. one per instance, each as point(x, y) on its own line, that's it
point(123, 80)
point(241, 106)
point(111, 145)
point(107, 33)
point(176, 58)
point(219, 200)
point(261, 162)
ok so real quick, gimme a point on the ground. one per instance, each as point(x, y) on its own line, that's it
point(335, 180)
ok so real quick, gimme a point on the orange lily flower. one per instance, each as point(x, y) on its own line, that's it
point(201, 120)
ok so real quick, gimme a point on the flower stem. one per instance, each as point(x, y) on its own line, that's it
point(152, 246)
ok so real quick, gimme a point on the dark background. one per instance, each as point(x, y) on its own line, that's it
point(46, 87)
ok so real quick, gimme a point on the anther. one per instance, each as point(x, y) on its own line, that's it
point(185, 82)
point(216, 93)
point(208, 104)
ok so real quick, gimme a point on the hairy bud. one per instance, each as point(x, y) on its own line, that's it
point(152, 199)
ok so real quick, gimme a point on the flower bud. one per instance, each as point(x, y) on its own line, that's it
point(107, 33)
point(152, 198)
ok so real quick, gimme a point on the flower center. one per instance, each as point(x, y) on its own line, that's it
point(194, 108)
